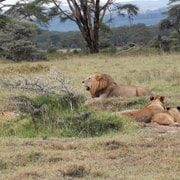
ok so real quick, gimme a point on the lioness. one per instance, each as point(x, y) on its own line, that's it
point(171, 117)
point(103, 86)
point(157, 104)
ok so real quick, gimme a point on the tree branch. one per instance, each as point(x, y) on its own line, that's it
point(54, 83)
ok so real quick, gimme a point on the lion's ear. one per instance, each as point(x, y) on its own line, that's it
point(168, 108)
point(178, 107)
point(162, 99)
point(151, 98)
point(98, 76)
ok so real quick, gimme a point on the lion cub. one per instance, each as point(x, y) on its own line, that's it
point(170, 118)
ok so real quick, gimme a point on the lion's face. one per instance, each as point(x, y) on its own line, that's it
point(97, 82)
point(90, 81)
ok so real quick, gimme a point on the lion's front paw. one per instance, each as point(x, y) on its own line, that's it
point(89, 102)
point(92, 101)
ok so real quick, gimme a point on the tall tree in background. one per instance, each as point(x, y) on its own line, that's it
point(17, 37)
point(173, 19)
point(87, 14)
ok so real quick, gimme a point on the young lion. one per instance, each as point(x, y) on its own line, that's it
point(103, 86)
point(156, 105)
point(170, 118)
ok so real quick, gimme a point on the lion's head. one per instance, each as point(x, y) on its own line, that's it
point(171, 117)
point(156, 99)
point(97, 82)
point(175, 113)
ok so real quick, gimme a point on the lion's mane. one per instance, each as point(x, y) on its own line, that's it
point(100, 83)
point(103, 86)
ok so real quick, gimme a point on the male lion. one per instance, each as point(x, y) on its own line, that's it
point(103, 86)
point(170, 118)
point(156, 105)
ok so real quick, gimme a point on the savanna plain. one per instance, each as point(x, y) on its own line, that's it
point(136, 152)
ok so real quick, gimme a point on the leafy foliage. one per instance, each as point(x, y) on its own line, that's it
point(173, 19)
point(53, 116)
point(119, 37)
point(32, 11)
point(55, 110)
point(16, 40)
point(88, 15)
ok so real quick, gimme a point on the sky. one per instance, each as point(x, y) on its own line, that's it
point(143, 4)
point(12, 1)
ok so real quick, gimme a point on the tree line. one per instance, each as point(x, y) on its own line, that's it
point(18, 30)
point(138, 34)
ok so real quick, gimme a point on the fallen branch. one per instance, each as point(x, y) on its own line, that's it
point(52, 83)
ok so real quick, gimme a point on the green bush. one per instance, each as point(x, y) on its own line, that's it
point(17, 40)
point(51, 49)
point(109, 50)
point(69, 117)
point(60, 116)
point(90, 124)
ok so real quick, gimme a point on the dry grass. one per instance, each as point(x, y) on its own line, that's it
point(142, 154)
point(160, 73)
point(145, 153)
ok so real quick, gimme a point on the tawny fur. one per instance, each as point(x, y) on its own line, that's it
point(103, 86)
point(156, 105)
point(170, 118)
point(7, 114)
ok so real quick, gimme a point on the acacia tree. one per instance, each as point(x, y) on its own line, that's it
point(87, 14)
point(173, 19)
point(17, 39)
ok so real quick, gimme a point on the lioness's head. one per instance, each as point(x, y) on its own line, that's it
point(97, 82)
point(159, 99)
point(175, 113)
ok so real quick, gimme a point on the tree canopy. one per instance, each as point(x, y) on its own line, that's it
point(87, 14)
point(173, 19)
point(172, 22)
point(17, 39)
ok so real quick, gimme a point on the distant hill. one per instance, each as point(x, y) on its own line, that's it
point(145, 5)
point(148, 17)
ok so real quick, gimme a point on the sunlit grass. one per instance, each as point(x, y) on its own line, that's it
point(133, 153)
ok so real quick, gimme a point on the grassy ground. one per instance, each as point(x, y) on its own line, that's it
point(160, 73)
point(143, 153)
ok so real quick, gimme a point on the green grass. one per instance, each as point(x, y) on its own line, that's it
point(60, 117)
point(99, 146)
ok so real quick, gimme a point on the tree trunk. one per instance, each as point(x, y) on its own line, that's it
point(89, 31)
point(93, 47)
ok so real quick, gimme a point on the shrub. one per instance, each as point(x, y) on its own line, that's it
point(90, 124)
point(51, 49)
point(60, 116)
point(17, 40)
point(56, 110)
point(109, 50)
point(73, 119)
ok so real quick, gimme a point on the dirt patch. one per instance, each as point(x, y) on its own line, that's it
point(119, 103)
point(166, 129)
